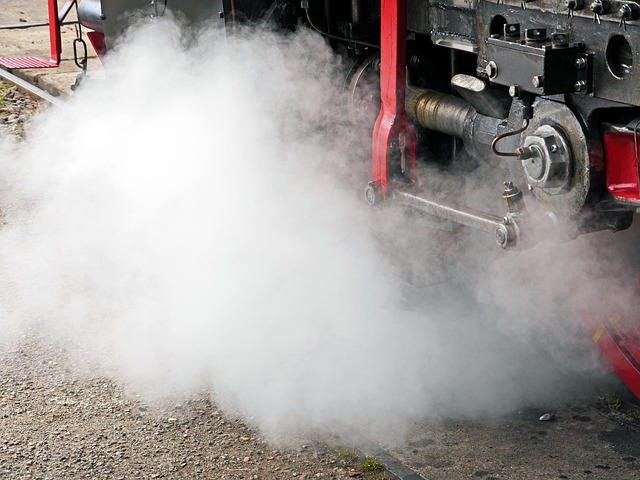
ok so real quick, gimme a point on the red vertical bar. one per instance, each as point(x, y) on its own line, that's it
point(54, 32)
point(393, 125)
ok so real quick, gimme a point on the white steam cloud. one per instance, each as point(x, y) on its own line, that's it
point(192, 222)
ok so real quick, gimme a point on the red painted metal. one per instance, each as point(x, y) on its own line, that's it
point(622, 165)
point(98, 43)
point(619, 349)
point(393, 125)
point(616, 332)
point(66, 9)
point(26, 62)
point(54, 32)
point(55, 40)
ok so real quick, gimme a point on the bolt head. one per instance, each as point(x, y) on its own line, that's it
point(597, 7)
point(491, 70)
point(537, 81)
point(559, 39)
point(502, 235)
point(580, 86)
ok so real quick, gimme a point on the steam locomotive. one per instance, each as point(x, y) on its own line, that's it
point(545, 89)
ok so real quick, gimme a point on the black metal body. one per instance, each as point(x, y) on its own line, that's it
point(477, 70)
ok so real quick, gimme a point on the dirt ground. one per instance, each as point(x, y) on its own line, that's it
point(34, 41)
point(55, 423)
point(590, 440)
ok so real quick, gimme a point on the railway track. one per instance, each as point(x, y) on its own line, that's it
point(31, 89)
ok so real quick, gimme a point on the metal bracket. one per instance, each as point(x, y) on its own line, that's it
point(393, 134)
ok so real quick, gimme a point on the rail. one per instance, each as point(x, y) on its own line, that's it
point(31, 89)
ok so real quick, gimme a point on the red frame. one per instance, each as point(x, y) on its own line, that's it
point(623, 180)
point(393, 123)
point(55, 40)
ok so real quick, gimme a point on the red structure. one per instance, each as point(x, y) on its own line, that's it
point(393, 134)
point(55, 20)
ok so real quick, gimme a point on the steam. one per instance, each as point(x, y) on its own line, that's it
point(192, 223)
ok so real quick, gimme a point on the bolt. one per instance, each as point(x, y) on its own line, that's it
point(559, 39)
point(537, 81)
point(580, 86)
point(580, 63)
point(574, 4)
point(288, 10)
point(600, 6)
point(512, 30)
point(491, 70)
point(416, 61)
point(629, 11)
point(553, 148)
point(530, 187)
point(220, 14)
point(514, 91)
point(535, 34)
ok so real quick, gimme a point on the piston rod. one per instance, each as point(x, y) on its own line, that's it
point(454, 116)
point(438, 111)
point(504, 228)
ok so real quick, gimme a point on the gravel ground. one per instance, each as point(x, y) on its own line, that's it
point(16, 109)
point(56, 423)
point(59, 422)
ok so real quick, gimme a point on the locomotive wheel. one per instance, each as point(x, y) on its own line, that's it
point(568, 199)
point(364, 91)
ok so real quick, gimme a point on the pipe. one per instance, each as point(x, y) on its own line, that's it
point(356, 11)
point(20, 26)
point(438, 111)
point(453, 116)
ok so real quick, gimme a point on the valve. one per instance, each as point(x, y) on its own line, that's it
point(600, 7)
point(513, 198)
point(628, 11)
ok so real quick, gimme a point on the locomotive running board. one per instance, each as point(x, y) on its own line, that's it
point(504, 228)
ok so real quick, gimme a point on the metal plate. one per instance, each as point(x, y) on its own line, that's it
point(26, 62)
point(119, 14)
